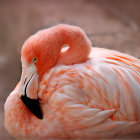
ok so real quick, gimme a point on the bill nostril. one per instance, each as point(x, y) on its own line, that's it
point(25, 80)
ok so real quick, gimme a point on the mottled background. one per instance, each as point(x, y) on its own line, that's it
point(113, 24)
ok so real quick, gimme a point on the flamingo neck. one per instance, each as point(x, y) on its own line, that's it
point(76, 39)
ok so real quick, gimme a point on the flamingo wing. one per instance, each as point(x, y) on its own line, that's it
point(98, 96)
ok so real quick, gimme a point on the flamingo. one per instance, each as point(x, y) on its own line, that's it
point(78, 92)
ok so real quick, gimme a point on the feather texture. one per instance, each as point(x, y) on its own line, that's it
point(98, 98)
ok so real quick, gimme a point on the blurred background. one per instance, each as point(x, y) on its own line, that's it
point(108, 23)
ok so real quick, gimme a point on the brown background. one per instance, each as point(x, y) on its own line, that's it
point(113, 24)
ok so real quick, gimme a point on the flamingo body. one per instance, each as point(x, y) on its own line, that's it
point(97, 97)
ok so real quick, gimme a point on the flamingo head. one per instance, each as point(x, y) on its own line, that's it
point(41, 52)
point(38, 55)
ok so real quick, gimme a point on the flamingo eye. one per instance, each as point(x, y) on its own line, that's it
point(34, 60)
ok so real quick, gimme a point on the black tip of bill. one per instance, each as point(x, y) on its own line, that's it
point(33, 106)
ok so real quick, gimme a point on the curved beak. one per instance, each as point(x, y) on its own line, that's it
point(29, 90)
